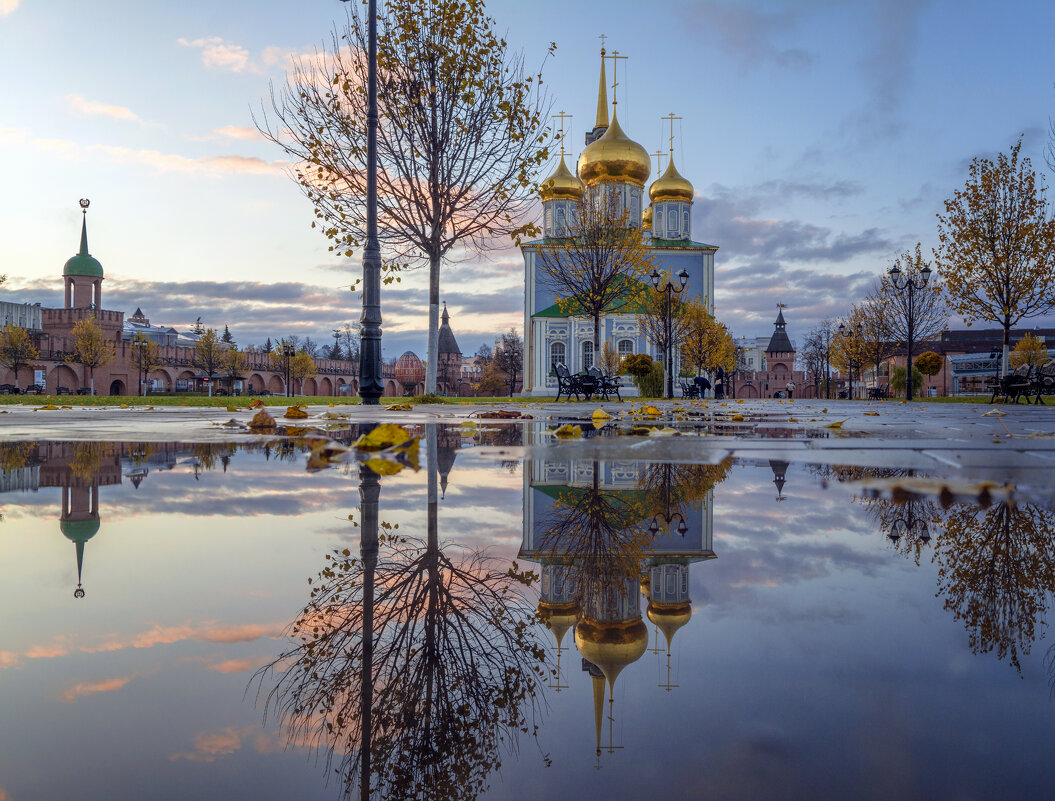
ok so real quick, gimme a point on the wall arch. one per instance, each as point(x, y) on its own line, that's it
point(256, 382)
point(275, 386)
point(309, 387)
point(117, 387)
point(392, 389)
point(325, 386)
point(62, 376)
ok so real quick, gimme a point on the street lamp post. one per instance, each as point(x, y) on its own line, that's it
point(670, 291)
point(371, 384)
point(288, 352)
point(850, 363)
point(912, 286)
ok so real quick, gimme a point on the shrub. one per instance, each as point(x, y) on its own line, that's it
point(897, 380)
point(650, 385)
point(928, 363)
point(637, 365)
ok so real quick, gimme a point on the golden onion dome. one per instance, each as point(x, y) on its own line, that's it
point(671, 186)
point(670, 617)
point(646, 218)
point(558, 618)
point(611, 646)
point(614, 157)
point(562, 185)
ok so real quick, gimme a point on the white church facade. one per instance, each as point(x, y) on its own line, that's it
point(610, 166)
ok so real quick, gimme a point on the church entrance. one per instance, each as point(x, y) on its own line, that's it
point(117, 387)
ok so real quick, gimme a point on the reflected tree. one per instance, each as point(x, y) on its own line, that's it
point(996, 571)
point(415, 666)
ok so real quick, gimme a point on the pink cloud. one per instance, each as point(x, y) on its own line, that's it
point(3, 793)
point(82, 689)
point(234, 666)
point(95, 108)
point(218, 54)
point(210, 746)
point(7, 7)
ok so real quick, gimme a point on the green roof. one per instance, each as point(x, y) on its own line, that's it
point(574, 309)
point(79, 530)
point(83, 263)
point(680, 243)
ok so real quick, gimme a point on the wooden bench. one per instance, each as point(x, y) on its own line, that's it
point(1013, 386)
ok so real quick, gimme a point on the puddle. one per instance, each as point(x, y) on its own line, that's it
point(490, 618)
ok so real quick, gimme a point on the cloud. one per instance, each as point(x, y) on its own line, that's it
point(95, 108)
point(218, 54)
point(3, 793)
point(748, 33)
point(237, 132)
point(235, 666)
point(83, 689)
point(7, 7)
point(210, 746)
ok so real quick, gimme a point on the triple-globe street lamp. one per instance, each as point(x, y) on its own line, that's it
point(670, 291)
point(850, 363)
point(912, 285)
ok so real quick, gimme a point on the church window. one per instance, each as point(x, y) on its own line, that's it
point(635, 209)
point(561, 224)
point(625, 347)
point(556, 353)
point(672, 222)
point(587, 354)
point(685, 222)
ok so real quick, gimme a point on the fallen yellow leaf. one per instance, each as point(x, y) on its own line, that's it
point(384, 467)
point(384, 436)
point(262, 421)
point(837, 425)
point(871, 414)
point(46, 408)
point(600, 415)
point(651, 411)
point(568, 431)
point(255, 404)
point(399, 407)
point(232, 408)
point(737, 418)
point(295, 413)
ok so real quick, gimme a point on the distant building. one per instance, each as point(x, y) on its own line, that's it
point(776, 376)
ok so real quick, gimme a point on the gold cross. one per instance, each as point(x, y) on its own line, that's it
point(562, 117)
point(615, 74)
point(782, 305)
point(603, 38)
point(670, 117)
point(658, 154)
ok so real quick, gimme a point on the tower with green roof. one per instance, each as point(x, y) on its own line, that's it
point(83, 274)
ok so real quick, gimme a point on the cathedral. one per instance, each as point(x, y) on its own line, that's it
point(615, 166)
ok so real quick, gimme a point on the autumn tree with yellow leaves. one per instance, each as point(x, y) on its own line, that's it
point(1030, 350)
point(209, 355)
point(707, 344)
point(462, 130)
point(91, 347)
point(996, 248)
point(146, 356)
point(16, 348)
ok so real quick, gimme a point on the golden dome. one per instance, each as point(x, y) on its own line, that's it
point(670, 617)
point(558, 618)
point(646, 218)
point(611, 646)
point(562, 185)
point(614, 157)
point(671, 186)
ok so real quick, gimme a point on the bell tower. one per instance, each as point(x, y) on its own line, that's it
point(83, 274)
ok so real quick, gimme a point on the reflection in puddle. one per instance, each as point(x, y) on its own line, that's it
point(470, 628)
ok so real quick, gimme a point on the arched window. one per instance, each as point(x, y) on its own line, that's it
point(587, 354)
point(557, 354)
point(685, 223)
point(625, 347)
point(561, 222)
point(548, 225)
point(672, 222)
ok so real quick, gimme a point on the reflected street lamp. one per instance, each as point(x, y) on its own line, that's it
point(911, 285)
point(850, 363)
point(670, 290)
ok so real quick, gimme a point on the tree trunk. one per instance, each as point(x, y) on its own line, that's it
point(1004, 355)
point(434, 325)
point(596, 337)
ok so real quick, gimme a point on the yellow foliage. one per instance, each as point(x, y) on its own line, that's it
point(262, 421)
point(295, 413)
point(384, 436)
point(568, 431)
point(1029, 350)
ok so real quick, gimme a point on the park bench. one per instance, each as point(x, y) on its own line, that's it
point(8, 389)
point(879, 393)
point(84, 391)
point(568, 384)
point(689, 389)
point(63, 391)
point(606, 385)
point(34, 389)
point(1014, 385)
point(1044, 382)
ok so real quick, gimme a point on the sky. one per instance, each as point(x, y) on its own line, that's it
point(821, 136)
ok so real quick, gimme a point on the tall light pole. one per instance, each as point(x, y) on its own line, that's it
point(288, 352)
point(670, 291)
point(854, 336)
point(912, 285)
point(371, 384)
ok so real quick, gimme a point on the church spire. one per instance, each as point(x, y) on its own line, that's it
point(602, 98)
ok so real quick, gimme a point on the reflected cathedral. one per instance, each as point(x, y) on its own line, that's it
point(608, 536)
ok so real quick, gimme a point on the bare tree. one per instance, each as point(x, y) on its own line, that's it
point(509, 357)
point(462, 130)
point(816, 356)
